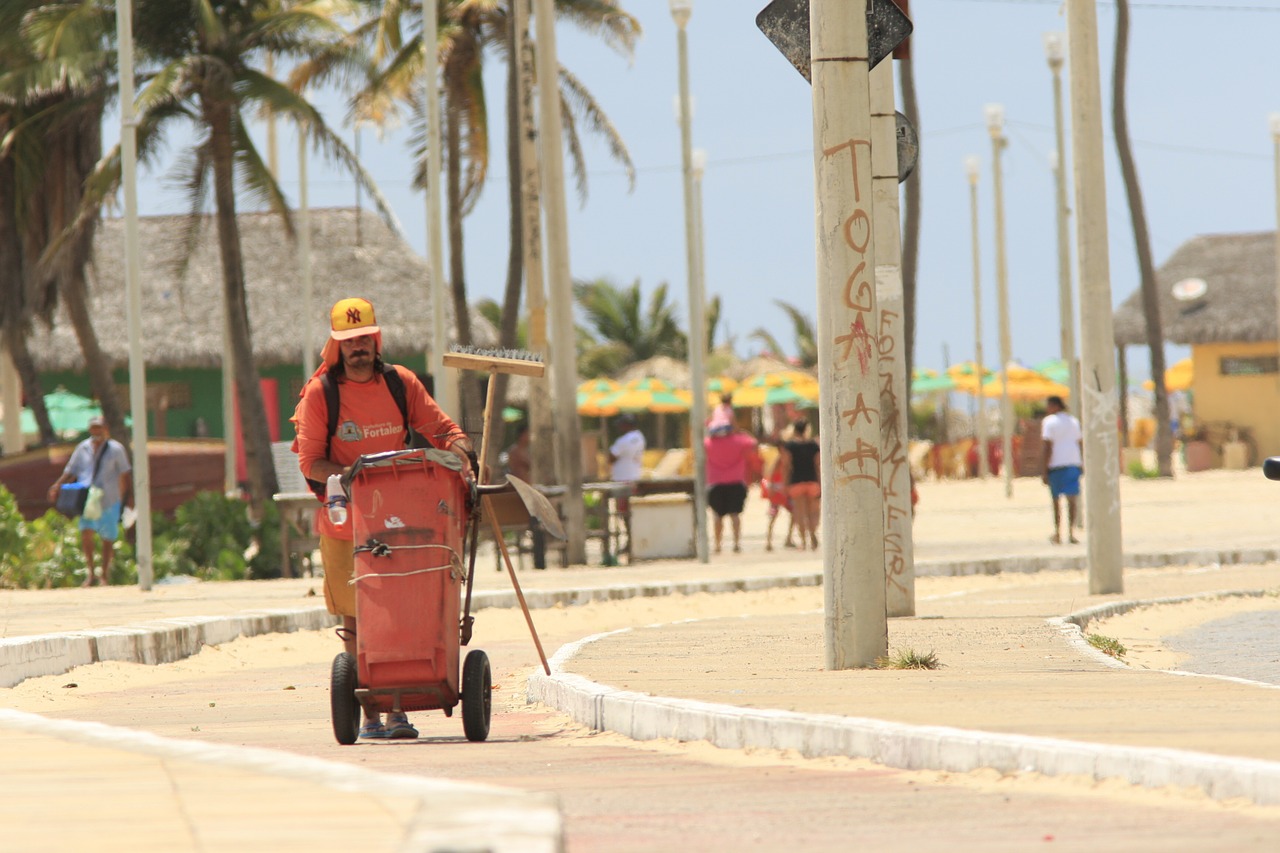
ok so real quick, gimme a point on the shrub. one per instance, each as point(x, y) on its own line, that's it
point(210, 537)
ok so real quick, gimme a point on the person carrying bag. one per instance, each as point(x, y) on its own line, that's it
point(97, 499)
point(77, 499)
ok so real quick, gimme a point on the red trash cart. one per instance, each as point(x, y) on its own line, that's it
point(409, 510)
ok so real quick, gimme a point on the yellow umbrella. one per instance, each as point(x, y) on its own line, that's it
point(593, 405)
point(1033, 387)
point(752, 395)
point(1176, 378)
point(965, 376)
point(641, 400)
point(602, 385)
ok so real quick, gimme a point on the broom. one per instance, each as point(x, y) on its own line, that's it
point(521, 363)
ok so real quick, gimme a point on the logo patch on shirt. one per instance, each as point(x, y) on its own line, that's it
point(349, 431)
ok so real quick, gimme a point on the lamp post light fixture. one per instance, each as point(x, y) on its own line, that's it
point(1055, 53)
point(980, 422)
point(995, 126)
point(1275, 138)
point(681, 10)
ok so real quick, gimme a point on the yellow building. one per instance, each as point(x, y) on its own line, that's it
point(1218, 295)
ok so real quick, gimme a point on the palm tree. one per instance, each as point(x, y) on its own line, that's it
point(805, 337)
point(1142, 241)
point(621, 330)
point(202, 56)
point(67, 79)
point(467, 29)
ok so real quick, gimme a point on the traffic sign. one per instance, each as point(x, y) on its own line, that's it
point(786, 24)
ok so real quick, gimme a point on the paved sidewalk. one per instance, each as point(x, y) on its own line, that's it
point(990, 685)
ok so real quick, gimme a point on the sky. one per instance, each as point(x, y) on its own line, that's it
point(1201, 89)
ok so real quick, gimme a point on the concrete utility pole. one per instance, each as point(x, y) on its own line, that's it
point(564, 355)
point(1275, 140)
point(995, 124)
point(304, 256)
point(855, 626)
point(1100, 403)
point(980, 422)
point(1054, 51)
point(541, 428)
point(899, 555)
point(681, 10)
point(11, 400)
point(446, 390)
point(137, 367)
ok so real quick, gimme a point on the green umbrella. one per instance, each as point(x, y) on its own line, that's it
point(932, 384)
point(1056, 369)
point(70, 413)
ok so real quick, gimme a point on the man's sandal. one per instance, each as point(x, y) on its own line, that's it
point(399, 727)
point(373, 731)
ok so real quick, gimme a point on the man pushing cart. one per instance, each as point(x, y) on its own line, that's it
point(395, 562)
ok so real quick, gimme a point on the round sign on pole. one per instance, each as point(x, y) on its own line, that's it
point(908, 146)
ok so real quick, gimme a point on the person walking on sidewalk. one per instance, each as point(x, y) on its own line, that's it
point(804, 487)
point(1063, 464)
point(732, 460)
point(369, 420)
point(99, 461)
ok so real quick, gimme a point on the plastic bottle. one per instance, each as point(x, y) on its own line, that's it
point(336, 500)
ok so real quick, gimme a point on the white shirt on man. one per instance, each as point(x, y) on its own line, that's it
point(629, 450)
point(1063, 430)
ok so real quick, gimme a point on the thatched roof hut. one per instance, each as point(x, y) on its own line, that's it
point(182, 317)
point(673, 371)
point(1239, 299)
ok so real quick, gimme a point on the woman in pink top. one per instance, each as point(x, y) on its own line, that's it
point(732, 460)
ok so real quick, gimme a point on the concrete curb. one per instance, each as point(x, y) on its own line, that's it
point(910, 747)
point(161, 641)
point(450, 815)
point(168, 640)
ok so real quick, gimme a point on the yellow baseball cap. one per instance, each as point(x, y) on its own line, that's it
point(351, 318)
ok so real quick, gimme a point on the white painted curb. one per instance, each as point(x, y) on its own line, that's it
point(644, 717)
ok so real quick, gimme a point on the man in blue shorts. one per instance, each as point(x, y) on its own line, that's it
point(102, 462)
point(1063, 463)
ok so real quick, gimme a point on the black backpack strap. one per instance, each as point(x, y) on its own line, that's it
point(330, 389)
point(395, 384)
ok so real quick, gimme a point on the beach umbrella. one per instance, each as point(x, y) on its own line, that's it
point(591, 405)
point(70, 413)
point(642, 400)
point(965, 376)
point(602, 385)
point(925, 381)
point(1055, 369)
point(648, 384)
point(1176, 378)
point(803, 395)
point(717, 386)
point(1025, 384)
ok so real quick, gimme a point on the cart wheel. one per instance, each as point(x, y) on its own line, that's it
point(477, 695)
point(342, 699)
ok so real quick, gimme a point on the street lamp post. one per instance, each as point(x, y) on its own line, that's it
point(995, 125)
point(1275, 138)
point(1055, 52)
point(980, 423)
point(681, 10)
point(700, 168)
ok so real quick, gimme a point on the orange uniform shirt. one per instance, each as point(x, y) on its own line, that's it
point(369, 421)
